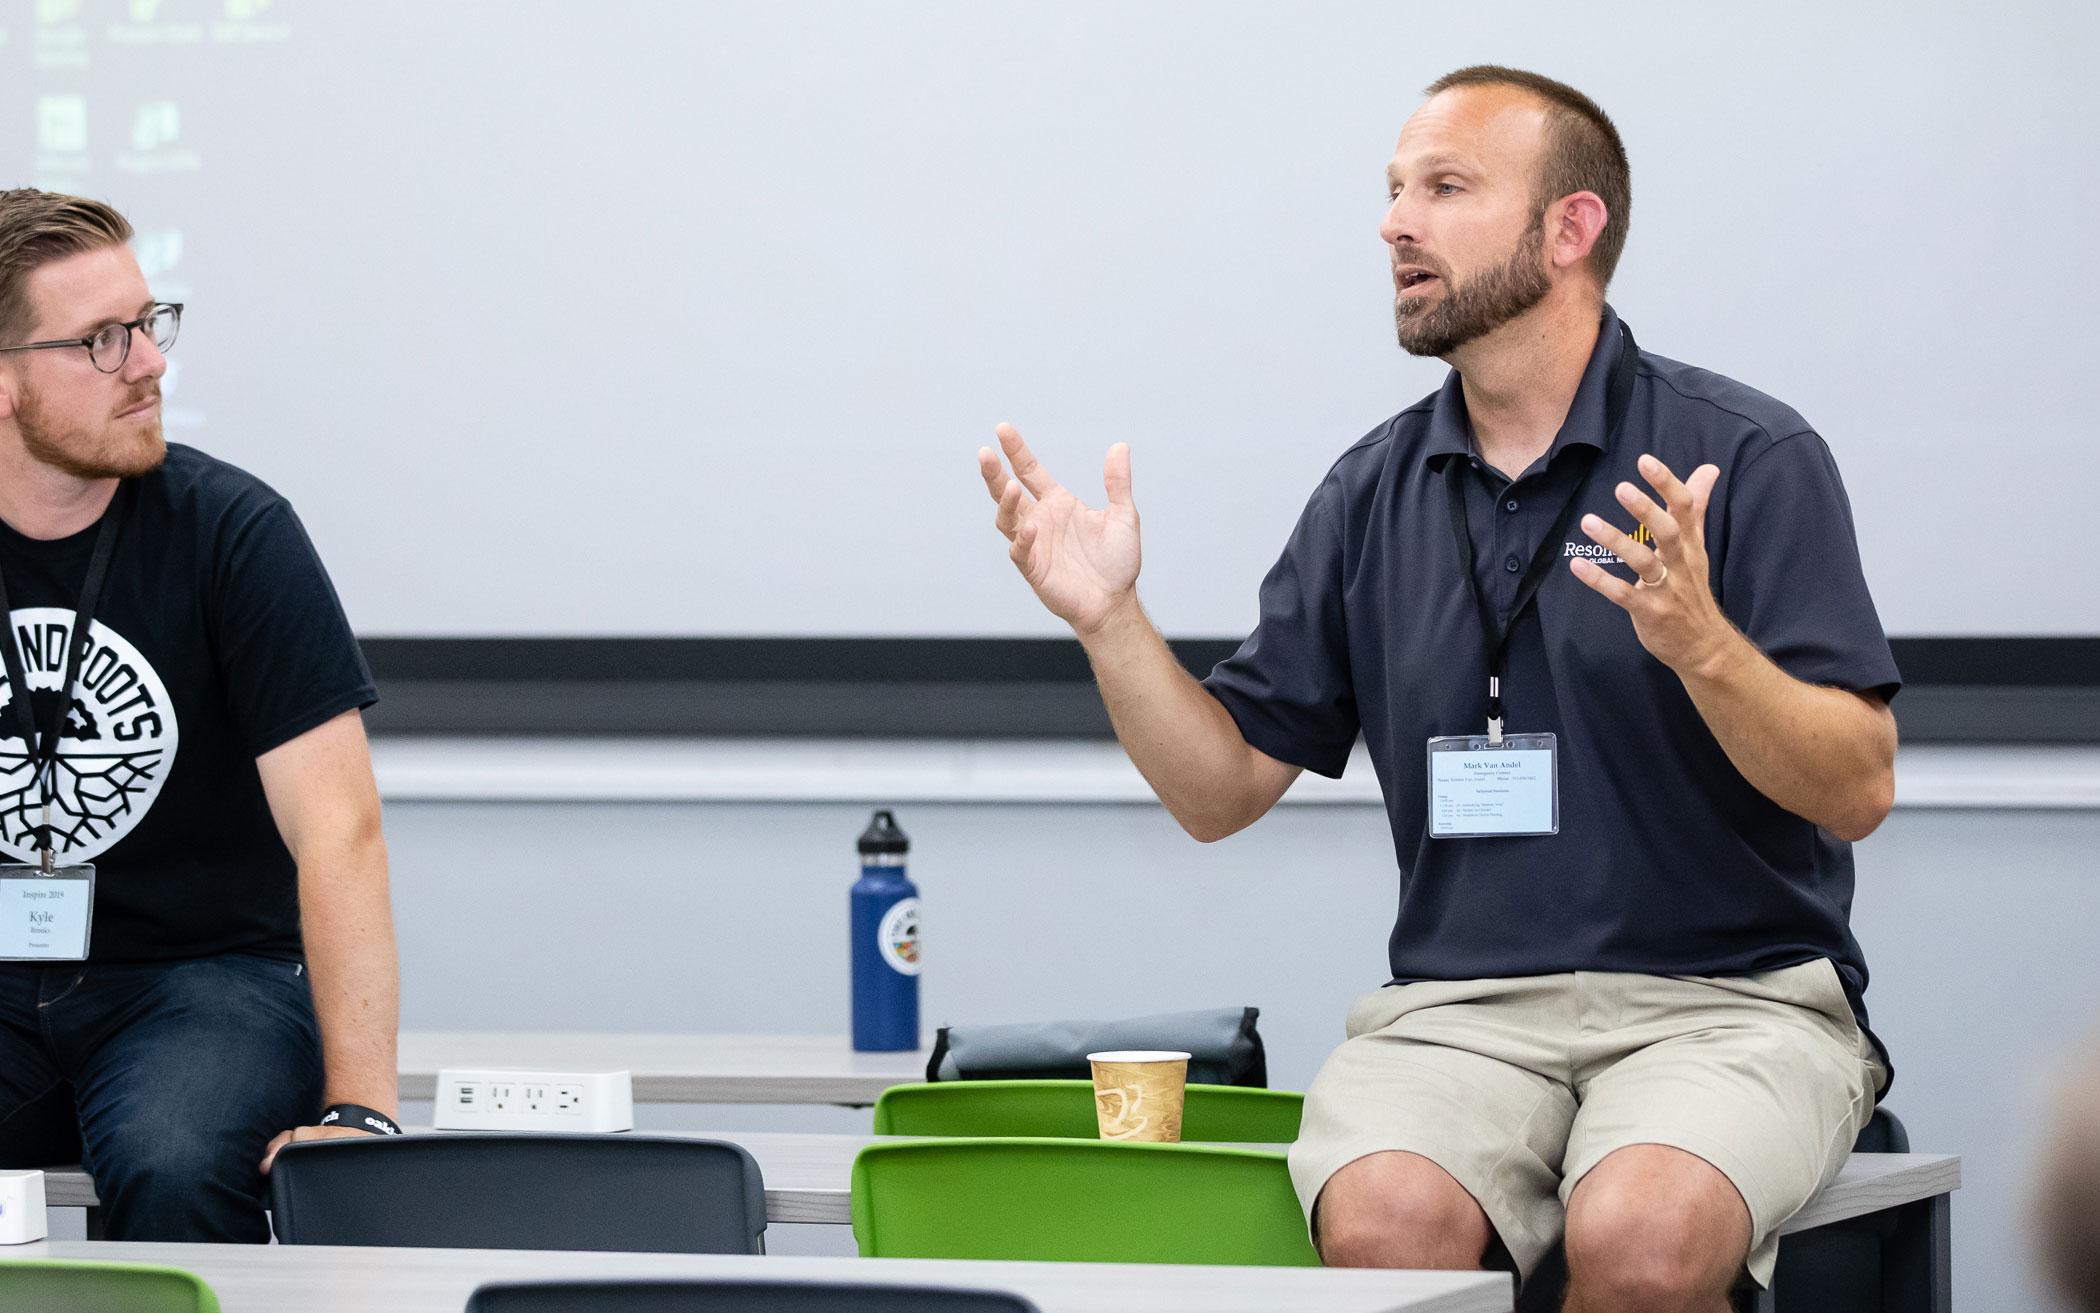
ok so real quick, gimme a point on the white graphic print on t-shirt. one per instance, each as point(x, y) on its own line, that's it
point(115, 744)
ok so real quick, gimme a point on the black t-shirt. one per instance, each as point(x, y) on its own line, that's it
point(218, 637)
point(1668, 861)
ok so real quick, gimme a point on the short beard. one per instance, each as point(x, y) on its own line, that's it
point(1480, 305)
point(78, 452)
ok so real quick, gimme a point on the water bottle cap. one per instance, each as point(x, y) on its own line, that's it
point(883, 836)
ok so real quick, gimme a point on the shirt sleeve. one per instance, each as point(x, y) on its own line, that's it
point(1791, 578)
point(286, 653)
point(1288, 687)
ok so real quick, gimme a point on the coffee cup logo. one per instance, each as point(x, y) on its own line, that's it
point(1122, 1113)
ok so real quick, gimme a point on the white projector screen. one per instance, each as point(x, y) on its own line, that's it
point(686, 319)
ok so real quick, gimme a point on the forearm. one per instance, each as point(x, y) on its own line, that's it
point(1825, 754)
point(1181, 739)
point(347, 922)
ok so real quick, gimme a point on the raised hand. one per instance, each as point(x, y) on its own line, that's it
point(1673, 608)
point(1082, 563)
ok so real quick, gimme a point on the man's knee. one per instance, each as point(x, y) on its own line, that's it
point(1398, 1209)
point(1653, 1227)
point(169, 1161)
point(180, 1184)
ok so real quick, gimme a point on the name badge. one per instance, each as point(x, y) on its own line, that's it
point(45, 918)
point(1479, 788)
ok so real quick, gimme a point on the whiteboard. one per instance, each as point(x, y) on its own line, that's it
point(687, 319)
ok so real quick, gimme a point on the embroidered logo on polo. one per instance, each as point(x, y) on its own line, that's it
point(116, 740)
point(1641, 534)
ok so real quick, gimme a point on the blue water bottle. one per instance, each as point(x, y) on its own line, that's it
point(885, 942)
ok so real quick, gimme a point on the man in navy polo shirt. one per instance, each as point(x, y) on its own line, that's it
point(1600, 620)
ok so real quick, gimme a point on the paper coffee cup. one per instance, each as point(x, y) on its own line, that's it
point(1138, 1094)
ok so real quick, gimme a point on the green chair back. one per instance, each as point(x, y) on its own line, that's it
point(1102, 1201)
point(1225, 1114)
point(65, 1285)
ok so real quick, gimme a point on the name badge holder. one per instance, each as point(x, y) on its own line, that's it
point(1486, 786)
point(47, 910)
point(1498, 785)
point(46, 915)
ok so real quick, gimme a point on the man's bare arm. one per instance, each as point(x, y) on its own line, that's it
point(1826, 754)
point(1083, 564)
point(322, 794)
point(1181, 739)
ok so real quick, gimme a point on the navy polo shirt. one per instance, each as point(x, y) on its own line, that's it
point(1668, 861)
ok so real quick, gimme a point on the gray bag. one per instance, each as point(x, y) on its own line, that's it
point(1222, 1045)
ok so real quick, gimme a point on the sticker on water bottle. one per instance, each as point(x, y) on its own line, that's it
point(897, 937)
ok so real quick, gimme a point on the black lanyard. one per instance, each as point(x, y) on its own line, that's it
point(1618, 398)
point(43, 745)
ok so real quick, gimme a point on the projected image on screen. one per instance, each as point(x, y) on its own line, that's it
point(673, 318)
point(122, 100)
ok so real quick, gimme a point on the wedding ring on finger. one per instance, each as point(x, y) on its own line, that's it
point(1657, 582)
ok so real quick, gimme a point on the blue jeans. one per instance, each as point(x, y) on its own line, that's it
point(165, 1080)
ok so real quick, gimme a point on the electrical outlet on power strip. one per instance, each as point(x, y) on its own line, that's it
point(470, 1100)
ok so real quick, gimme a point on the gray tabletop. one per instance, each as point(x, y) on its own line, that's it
point(325, 1279)
point(671, 1068)
point(808, 1178)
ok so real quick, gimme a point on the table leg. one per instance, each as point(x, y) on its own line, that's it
point(1918, 1271)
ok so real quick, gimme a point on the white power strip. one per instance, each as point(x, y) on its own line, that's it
point(22, 1215)
point(470, 1100)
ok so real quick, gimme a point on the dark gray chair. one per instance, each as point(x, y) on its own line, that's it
point(701, 1296)
point(486, 1191)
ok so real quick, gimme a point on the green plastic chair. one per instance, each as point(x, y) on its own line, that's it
point(1223, 1114)
point(64, 1285)
point(1101, 1201)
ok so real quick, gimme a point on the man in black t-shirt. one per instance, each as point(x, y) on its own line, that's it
point(169, 624)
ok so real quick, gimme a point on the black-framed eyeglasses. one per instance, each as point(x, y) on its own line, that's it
point(110, 346)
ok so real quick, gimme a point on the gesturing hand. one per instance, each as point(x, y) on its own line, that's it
point(1082, 563)
point(1673, 609)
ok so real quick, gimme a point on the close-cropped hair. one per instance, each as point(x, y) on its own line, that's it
point(1583, 152)
point(37, 227)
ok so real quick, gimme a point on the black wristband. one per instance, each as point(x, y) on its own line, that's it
point(358, 1117)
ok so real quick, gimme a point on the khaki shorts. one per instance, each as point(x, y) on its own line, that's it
point(1519, 1087)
